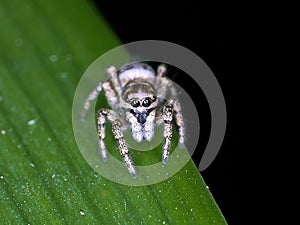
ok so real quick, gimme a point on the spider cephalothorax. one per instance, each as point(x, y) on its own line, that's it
point(139, 98)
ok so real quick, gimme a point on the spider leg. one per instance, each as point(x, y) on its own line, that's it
point(112, 71)
point(116, 129)
point(161, 70)
point(172, 109)
point(104, 114)
point(101, 118)
point(92, 96)
point(167, 116)
point(165, 88)
point(110, 94)
point(179, 122)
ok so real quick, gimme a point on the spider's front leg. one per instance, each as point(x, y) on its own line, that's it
point(167, 116)
point(101, 118)
point(171, 107)
point(104, 114)
point(116, 129)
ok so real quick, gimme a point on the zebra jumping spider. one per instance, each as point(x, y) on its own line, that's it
point(139, 99)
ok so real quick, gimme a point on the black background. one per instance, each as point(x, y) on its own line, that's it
point(223, 36)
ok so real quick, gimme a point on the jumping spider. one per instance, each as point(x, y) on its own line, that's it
point(140, 99)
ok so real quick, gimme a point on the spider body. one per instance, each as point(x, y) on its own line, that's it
point(140, 99)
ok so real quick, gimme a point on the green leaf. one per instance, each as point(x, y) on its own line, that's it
point(45, 48)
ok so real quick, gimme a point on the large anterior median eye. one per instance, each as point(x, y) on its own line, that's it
point(135, 103)
point(146, 103)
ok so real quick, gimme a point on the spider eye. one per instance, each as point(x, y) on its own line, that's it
point(146, 103)
point(135, 103)
point(154, 98)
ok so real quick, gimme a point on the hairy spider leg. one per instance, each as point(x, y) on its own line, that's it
point(171, 108)
point(92, 96)
point(179, 122)
point(167, 116)
point(112, 116)
point(161, 70)
point(112, 72)
point(109, 92)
